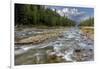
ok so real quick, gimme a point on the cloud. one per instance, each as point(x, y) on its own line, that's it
point(73, 13)
point(60, 12)
point(65, 10)
point(52, 9)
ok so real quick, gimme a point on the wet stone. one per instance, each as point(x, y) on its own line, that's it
point(78, 50)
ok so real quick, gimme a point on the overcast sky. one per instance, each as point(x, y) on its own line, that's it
point(75, 13)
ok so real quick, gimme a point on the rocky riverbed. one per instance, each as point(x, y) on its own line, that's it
point(65, 45)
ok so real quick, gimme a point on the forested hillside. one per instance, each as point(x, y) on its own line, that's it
point(88, 22)
point(27, 14)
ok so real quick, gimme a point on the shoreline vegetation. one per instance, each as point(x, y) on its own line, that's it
point(26, 14)
point(41, 16)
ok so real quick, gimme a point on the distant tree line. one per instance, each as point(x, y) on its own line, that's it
point(88, 22)
point(27, 14)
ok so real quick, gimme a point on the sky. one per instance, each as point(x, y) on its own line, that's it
point(74, 13)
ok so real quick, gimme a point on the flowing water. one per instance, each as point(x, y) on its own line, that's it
point(71, 46)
